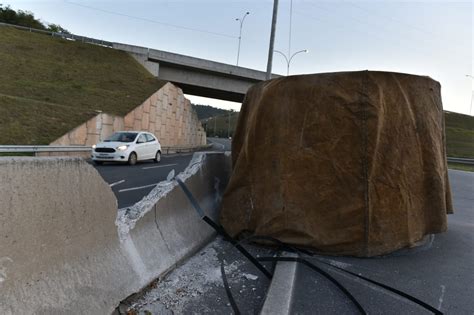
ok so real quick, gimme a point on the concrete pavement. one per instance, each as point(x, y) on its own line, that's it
point(221, 144)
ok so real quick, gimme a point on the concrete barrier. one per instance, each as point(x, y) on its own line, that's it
point(64, 248)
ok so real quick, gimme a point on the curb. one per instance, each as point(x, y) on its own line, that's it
point(280, 293)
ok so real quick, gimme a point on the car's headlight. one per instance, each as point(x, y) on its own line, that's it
point(94, 146)
point(122, 147)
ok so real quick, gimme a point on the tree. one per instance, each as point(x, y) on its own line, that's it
point(27, 19)
point(56, 28)
point(22, 18)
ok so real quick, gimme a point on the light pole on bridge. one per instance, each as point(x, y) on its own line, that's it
point(241, 20)
point(472, 94)
point(288, 60)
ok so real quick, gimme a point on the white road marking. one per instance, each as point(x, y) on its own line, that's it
point(443, 289)
point(217, 143)
point(116, 183)
point(166, 165)
point(137, 188)
point(172, 155)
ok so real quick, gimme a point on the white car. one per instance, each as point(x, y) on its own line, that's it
point(127, 146)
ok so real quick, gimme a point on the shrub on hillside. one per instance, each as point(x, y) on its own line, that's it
point(27, 19)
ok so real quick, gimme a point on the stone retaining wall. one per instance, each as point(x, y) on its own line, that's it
point(166, 113)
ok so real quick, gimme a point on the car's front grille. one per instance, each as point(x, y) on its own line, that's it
point(108, 150)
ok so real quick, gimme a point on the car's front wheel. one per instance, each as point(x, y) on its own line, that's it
point(98, 162)
point(157, 157)
point(132, 158)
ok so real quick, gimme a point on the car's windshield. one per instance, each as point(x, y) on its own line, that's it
point(122, 137)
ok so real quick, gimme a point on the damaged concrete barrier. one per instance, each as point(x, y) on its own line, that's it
point(64, 248)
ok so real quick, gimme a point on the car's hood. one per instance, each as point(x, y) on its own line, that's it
point(112, 144)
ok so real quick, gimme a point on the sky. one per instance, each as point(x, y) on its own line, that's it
point(432, 38)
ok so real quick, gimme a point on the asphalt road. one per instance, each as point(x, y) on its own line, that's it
point(439, 273)
point(221, 144)
point(131, 183)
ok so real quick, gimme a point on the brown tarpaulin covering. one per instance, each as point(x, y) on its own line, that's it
point(350, 163)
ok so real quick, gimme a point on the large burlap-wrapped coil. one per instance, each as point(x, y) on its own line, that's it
point(349, 163)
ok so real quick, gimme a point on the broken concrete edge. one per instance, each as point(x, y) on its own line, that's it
point(123, 306)
point(127, 217)
point(280, 294)
point(180, 229)
point(59, 248)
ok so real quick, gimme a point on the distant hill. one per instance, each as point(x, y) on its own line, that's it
point(459, 134)
point(49, 85)
point(216, 120)
point(206, 111)
point(218, 126)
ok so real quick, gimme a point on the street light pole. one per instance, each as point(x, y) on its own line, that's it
point(228, 126)
point(215, 126)
point(240, 33)
point(289, 36)
point(288, 61)
point(272, 40)
point(472, 94)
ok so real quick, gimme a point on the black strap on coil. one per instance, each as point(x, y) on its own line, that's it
point(323, 273)
point(219, 229)
point(289, 248)
point(388, 288)
point(237, 244)
point(232, 302)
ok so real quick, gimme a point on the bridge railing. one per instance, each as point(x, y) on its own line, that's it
point(461, 160)
point(67, 36)
point(43, 148)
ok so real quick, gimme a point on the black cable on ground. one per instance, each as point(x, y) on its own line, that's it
point(291, 248)
point(388, 288)
point(219, 229)
point(237, 244)
point(232, 302)
point(323, 273)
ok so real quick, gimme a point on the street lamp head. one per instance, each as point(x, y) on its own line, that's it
point(306, 51)
point(247, 13)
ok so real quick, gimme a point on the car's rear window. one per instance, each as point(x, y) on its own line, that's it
point(149, 137)
point(122, 137)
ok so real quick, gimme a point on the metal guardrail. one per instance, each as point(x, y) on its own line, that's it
point(164, 150)
point(43, 148)
point(461, 160)
point(67, 36)
point(81, 148)
point(171, 150)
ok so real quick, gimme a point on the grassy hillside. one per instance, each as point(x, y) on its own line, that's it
point(206, 111)
point(459, 135)
point(49, 85)
point(219, 125)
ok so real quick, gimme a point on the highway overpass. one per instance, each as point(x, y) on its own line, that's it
point(196, 76)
